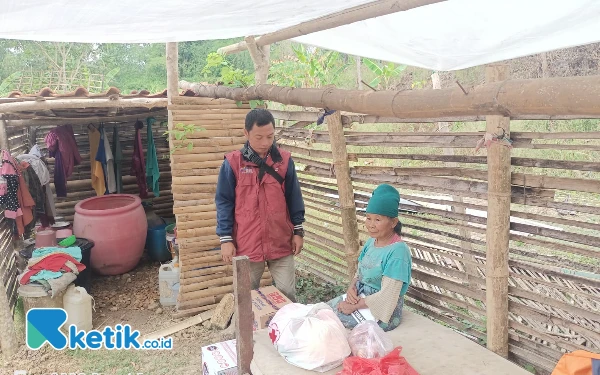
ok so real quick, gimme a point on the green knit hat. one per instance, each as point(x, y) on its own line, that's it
point(384, 201)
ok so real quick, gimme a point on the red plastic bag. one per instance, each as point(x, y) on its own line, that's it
point(391, 364)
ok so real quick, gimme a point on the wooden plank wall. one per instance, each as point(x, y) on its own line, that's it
point(204, 277)
point(554, 284)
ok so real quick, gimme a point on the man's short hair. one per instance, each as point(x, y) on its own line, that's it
point(259, 117)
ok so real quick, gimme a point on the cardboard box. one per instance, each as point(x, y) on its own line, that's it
point(266, 302)
point(220, 359)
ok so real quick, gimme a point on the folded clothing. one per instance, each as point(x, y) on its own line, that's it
point(55, 263)
point(74, 251)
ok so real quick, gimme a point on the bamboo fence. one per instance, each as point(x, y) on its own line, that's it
point(204, 277)
point(554, 287)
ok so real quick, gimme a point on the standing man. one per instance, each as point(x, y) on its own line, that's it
point(260, 209)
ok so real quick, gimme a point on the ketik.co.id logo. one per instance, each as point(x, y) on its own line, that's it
point(44, 325)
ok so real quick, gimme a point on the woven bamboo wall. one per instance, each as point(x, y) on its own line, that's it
point(554, 258)
point(79, 185)
point(204, 277)
point(17, 142)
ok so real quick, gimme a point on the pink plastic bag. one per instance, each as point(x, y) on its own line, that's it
point(391, 364)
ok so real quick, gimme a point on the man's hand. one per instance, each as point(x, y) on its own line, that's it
point(297, 244)
point(227, 252)
point(346, 308)
point(352, 294)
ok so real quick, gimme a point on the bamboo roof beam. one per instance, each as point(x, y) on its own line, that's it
point(42, 121)
point(42, 105)
point(545, 98)
point(330, 21)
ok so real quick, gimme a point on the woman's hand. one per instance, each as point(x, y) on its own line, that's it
point(346, 308)
point(352, 294)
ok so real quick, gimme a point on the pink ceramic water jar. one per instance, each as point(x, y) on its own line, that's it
point(117, 225)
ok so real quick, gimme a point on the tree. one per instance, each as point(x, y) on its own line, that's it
point(309, 67)
point(384, 74)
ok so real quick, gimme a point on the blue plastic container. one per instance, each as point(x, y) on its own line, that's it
point(156, 243)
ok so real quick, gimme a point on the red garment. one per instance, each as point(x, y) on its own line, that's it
point(138, 166)
point(62, 139)
point(55, 262)
point(262, 228)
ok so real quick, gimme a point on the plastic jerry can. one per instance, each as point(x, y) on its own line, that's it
point(78, 305)
point(168, 284)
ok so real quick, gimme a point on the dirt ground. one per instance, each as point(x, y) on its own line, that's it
point(127, 299)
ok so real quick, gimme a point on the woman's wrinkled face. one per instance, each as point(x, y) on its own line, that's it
point(380, 227)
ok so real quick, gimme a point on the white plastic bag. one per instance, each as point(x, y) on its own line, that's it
point(311, 337)
point(368, 340)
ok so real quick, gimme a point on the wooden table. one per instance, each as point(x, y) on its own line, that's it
point(429, 347)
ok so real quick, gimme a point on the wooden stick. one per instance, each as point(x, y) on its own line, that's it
point(346, 193)
point(260, 58)
point(3, 136)
point(243, 313)
point(183, 313)
point(195, 209)
point(344, 17)
point(165, 332)
point(196, 224)
point(498, 227)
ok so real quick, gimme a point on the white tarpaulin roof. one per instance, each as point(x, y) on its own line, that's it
point(458, 34)
point(443, 36)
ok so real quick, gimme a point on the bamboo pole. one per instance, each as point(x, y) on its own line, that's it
point(547, 98)
point(68, 103)
point(260, 58)
point(346, 192)
point(498, 227)
point(343, 17)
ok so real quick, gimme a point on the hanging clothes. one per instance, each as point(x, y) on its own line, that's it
point(40, 168)
point(37, 192)
point(35, 151)
point(110, 167)
point(14, 196)
point(45, 209)
point(118, 155)
point(137, 161)
point(101, 157)
point(62, 146)
point(9, 186)
point(152, 172)
point(96, 166)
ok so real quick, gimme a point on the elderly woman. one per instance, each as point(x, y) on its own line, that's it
point(384, 266)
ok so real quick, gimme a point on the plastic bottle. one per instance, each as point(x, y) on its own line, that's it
point(78, 304)
point(168, 284)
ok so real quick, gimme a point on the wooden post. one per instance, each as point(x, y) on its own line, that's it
point(261, 60)
point(359, 72)
point(243, 313)
point(498, 226)
point(172, 86)
point(467, 247)
point(8, 338)
point(3, 136)
point(345, 190)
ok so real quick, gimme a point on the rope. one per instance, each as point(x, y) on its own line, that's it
point(490, 138)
